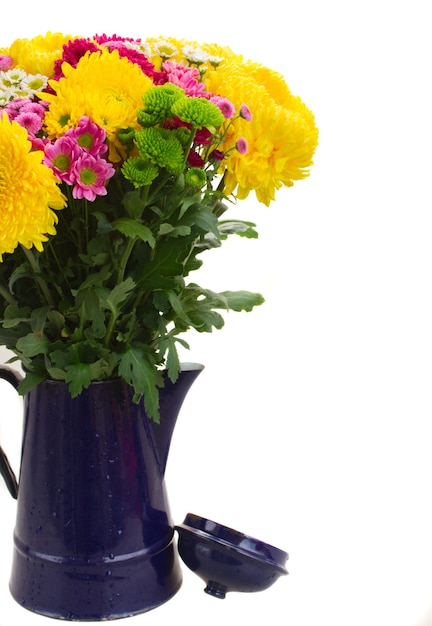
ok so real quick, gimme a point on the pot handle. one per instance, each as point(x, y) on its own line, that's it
point(12, 377)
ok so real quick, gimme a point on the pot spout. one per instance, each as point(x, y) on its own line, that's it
point(171, 400)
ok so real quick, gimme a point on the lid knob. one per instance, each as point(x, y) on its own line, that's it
point(216, 589)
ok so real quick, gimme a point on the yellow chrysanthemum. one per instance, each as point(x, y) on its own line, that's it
point(102, 86)
point(28, 191)
point(37, 55)
point(282, 136)
point(281, 145)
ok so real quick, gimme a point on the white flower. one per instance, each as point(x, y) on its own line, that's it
point(12, 78)
point(165, 49)
point(34, 83)
point(146, 49)
point(215, 61)
point(5, 95)
point(195, 55)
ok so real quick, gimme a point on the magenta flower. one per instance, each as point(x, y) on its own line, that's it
point(34, 107)
point(194, 159)
point(72, 53)
point(185, 77)
point(217, 155)
point(37, 143)
point(203, 137)
point(13, 108)
point(245, 112)
point(226, 107)
point(60, 155)
point(89, 136)
point(30, 121)
point(89, 175)
point(242, 145)
point(139, 58)
point(105, 40)
point(6, 62)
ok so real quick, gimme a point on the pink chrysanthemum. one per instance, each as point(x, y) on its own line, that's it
point(185, 77)
point(242, 145)
point(245, 112)
point(33, 107)
point(30, 121)
point(225, 106)
point(89, 136)
point(89, 175)
point(60, 155)
point(6, 62)
point(13, 107)
point(37, 143)
point(104, 40)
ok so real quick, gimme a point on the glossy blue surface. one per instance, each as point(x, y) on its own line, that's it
point(226, 559)
point(94, 537)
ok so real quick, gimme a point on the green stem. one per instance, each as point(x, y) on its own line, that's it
point(120, 277)
point(59, 266)
point(7, 295)
point(110, 329)
point(87, 226)
point(125, 258)
point(36, 270)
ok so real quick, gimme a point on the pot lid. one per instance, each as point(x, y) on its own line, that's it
point(228, 560)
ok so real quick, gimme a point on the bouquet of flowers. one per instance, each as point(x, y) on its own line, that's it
point(118, 160)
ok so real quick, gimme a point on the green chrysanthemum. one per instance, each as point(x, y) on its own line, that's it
point(126, 136)
point(183, 134)
point(157, 104)
point(139, 171)
point(198, 112)
point(195, 177)
point(161, 147)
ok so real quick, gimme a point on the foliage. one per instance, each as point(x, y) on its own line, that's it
point(139, 199)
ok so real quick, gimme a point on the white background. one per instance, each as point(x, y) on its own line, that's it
point(310, 425)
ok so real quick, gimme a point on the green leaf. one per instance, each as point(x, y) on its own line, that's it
point(14, 315)
point(96, 278)
point(30, 345)
point(56, 373)
point(204, 321)
point(174, 301)
point(242, 300)
point(79, 377)
point(188, 203)
point(57, 321)
point(21, 271)
point(140, 372)
point(133, 204)
point(238, 227)
point(119, 294)
point(89, 300)
point(172, 360)
point(38, 319)
point(166, 262)
point(174, 231)
point(29, 382)
point(204, 220)
point(132, 228)
point(9, 337)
